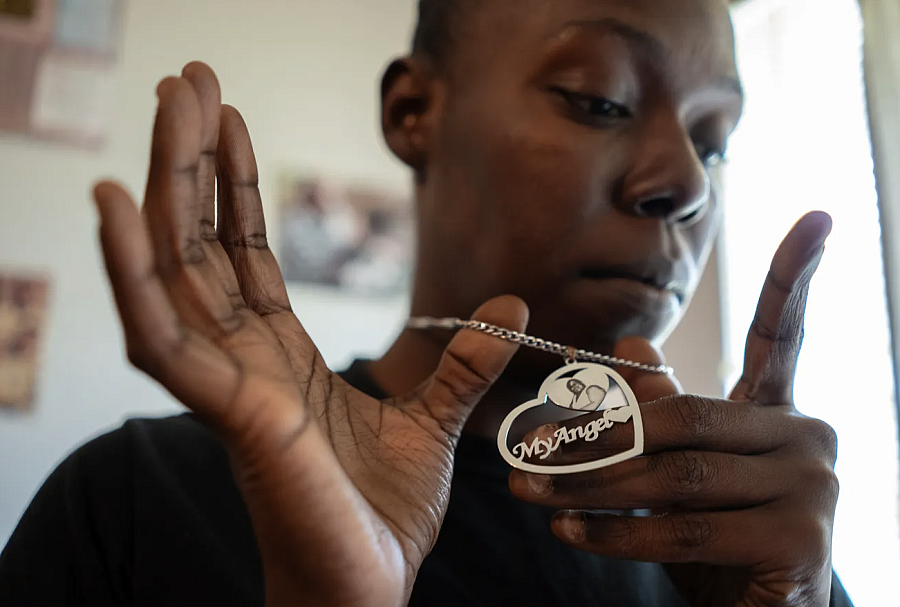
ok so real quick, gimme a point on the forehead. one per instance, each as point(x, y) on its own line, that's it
point(693, 37)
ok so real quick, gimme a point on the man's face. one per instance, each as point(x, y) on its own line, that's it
point(569, 164)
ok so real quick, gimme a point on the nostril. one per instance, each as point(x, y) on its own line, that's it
point(688, 217)
point(659, 206)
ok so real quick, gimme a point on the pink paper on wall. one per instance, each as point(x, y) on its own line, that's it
point(56, 68)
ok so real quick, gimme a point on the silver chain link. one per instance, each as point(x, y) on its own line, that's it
point(570, 354)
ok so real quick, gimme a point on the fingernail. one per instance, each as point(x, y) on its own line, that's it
point(94, 194)
point(540, 484)
point(826, 221)
point(162, 84)
point(825, 225)
point(97, 196)
point(542, 432)
point(546, 431)
point(571, 526)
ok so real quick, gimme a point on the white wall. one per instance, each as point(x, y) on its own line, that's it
point(305, 75)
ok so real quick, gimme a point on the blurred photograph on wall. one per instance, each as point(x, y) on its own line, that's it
point(57, 69)
point(23, 315)
point(356, 239)
point(22, 9)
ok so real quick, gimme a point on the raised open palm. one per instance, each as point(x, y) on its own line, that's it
point(346, 493)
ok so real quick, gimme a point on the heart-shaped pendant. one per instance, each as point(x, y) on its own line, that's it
point(598, 391)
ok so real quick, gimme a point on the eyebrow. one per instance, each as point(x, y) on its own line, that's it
point(648, 45)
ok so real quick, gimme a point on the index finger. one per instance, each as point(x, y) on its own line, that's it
point(679, 422)
point(773, 342)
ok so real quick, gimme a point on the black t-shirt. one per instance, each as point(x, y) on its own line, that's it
point(150, 515)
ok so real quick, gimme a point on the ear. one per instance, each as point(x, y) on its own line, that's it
point(408, 112)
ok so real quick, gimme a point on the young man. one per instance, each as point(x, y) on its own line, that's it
point(561, 152)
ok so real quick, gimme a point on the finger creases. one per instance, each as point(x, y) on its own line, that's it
point(704, 537)
point(196, 281)
point(242, 226)
point(668, 480)
point(471, 363)
point(209, 97)
point(776, 333)
point(242, 234)
point(157, 341)
point(171, 198)
point(676, 422)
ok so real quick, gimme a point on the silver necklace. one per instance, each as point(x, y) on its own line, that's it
point(585, 384)
point(571, 354)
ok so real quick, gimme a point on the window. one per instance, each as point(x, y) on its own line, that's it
point(804, 145)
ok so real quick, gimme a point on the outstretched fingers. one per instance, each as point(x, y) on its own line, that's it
point(157, 340)
point(174, 213)
point(209, 96)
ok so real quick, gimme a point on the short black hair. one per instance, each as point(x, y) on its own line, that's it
point(437, 24)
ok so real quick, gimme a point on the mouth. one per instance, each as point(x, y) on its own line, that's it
point(662, 278)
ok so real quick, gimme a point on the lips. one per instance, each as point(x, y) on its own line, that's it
point(661, 275)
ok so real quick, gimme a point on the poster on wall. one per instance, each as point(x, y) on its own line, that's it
point(357, 240)
point(56, 68)
point(23, 315)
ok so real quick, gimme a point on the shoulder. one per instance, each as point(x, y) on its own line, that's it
point(153, 499)
point(185, 510)
point(162, 437)
point(173, 451)
point(157, 482)
point(188, 512)
point(150, 476)
point(105, 473)
point(178, 446)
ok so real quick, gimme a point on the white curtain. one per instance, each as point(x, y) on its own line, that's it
point(804, 144)
point(882, 67)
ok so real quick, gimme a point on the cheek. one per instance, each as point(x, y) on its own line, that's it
point(516, 192)
point(546, 184)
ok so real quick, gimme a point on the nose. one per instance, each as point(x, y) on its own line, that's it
point(667, 180)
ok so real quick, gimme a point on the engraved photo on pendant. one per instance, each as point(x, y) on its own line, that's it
point(585, 391)
point(603, 399)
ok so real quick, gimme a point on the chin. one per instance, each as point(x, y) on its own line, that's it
point(594, 316)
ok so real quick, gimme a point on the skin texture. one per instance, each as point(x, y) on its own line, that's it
point(520, 191)
point(346, 493)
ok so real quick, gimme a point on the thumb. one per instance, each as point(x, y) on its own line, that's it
point(647, 386)
point(471, 364)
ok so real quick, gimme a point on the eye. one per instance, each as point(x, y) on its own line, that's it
point(591, 107)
